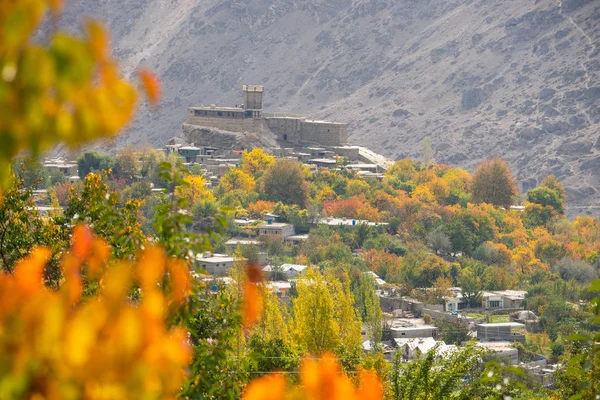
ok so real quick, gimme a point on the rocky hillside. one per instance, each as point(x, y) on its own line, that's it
point(520, 79)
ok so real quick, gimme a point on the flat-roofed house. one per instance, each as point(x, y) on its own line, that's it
point(501, 331)
point(280, 229)
point(215, 264)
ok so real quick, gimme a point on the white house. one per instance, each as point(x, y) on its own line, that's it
point(289, 270)
point(215, 264)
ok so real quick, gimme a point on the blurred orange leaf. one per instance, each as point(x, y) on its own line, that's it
point(29, 271)
point(253, 302)
point(98, 40)
point(56, 6)
point(270, 387)
point(82, 241)
point(151, 85)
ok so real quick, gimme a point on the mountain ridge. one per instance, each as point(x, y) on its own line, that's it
point(479, 78)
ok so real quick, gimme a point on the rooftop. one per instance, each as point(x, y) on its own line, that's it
point(274, 225)
point(218, 108)
point(236, 241)
point(502, 324)
point(413, 328)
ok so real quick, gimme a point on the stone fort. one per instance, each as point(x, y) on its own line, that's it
point(249, 117)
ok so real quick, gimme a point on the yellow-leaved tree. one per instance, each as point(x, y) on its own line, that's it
point(194, 189)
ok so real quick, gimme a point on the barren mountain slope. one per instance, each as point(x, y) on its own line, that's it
point(520, 79)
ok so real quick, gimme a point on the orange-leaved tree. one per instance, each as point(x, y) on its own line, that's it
point(58, 345)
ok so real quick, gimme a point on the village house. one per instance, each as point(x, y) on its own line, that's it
point(215, 264)
point(280, 229)
point(68, 169)
point(500, 351)
point(421, 331)
point(501, 331)
point(280, 289)
point(496, 299)
point(290, 271)
point(295, 240)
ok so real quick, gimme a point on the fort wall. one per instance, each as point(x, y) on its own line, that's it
point(288, 127)
point(233, 123)
point(324, 133)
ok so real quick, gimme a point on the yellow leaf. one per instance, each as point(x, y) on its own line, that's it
point(97, 39)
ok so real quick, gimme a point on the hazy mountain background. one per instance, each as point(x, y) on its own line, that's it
point(516, 78)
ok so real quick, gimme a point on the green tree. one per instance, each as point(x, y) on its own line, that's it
point(494, 183)
point(91, 161)
point(439, 241)
point(22, 228)
point(270, 341)
point(453, 331)
point(367, 303)
point(285, 181)
point(471, 286)
point(220, 368)
point(467, 230)
point(102, 210)
point(545, 196)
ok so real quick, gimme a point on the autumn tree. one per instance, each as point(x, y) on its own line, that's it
point(285, 181)
point(494, 183)
point(324, 316)
point(238, 181)
point(193, 188)
point(127, 165)
point(256, 162)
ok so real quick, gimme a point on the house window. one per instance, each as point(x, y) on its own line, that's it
point(494, 303)
point(403, 333)
point(219, 113)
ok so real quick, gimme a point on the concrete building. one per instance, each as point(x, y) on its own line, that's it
point(295, 240)
point(249, 117)
point(190, 153)
point(501, 351)
point(276, 228)
point(405, 305)
point(215, 264)
point(290, 271)
point(280, 289)
point(348, 222)
point(233, 243)
point(501, 331)
point(422, 331)
point(68, 169)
